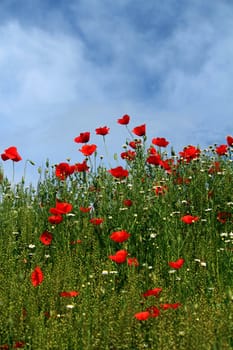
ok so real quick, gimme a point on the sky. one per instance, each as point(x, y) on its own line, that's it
point(70, 66)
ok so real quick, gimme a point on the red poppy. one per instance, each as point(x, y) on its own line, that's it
point(189, 219)
point(119, 172)
point(85, 209)
point(78, 241)
point(176, 264)
point(46, 238)
point(135, 144)
point(81, 167)
point(140, 130)
point(215, 168)
point(102, 131)
point(96, 221)
point(120, 236)
point(127, 202)
point(37, 276)
point(83, 137)
point(128, 155)
point(4, 347)
point(155, 292)
point(88, 150)
point(160, 190)
point(119, 257)
point(124, 120)
point(154, 159)
point(55, 219)
point(167, 165)
point(142, 316)
point(19, 344)
point(223, 217)
point(11, 153)
point(61, 208)
point(170, 306)
point(160, 141)
point(70, 294)
point(189, 153)
point(221, 150)
point(133, 262)
point(229, 140)
point(154, 311)
point(63, 170)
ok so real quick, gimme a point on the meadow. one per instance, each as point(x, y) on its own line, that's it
point(134, 256)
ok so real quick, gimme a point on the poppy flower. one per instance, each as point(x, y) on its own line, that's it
point(170, 306)
point(102, 131)
point(154, 311)
point(124, 120)
point(88, 150)
point(140, 130)
point(223, 216)
point(167, 165)
point(81, 167)
point(119, 236)
point(46, 238)
point(11, 153)
point(70, 294)
point(19, 345)
point(85, 209)
point(176, 264)
point(55, 219)
point(229, 140)
point(154, 159)
point(119, 172)
point(127, 202)
point(215, 168)
point(37, 276)
point(160, 190)
point(63, 170)
point(128, 155)
point(119, 257)
point(189, 153)
point(152, 292)
point(133, 262)
point(221, 150)
point(84, 137)
point(160, 141)
point(61, 208)
point(135, 144)
point(189, 219)
point(96, 221)
point(142, 316)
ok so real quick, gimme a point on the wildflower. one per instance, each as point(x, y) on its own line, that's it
point(155, 292)
point(160, 190)
point(127, 202)
point(160, 141)
point(61, 208)
point(170, 306)
point(135, 144)
point(142, 316)
point(19, 344)
point(128, 155)
point(70, 294)
point(63, 170)
point(229, 140)
point(119, 172)
point(102, 131)
point(133, 262)
point(124, 120)
point(96, 221)
point(215, 168)
point(140, 130)
point(85, 209)
point(119, 257)
point(223, 217)
point(81, 167)
point(55, 219)
point(37, 276)
point(176, 264)
point(83, 137)
point(189, 153)
point(189, 219)
point(119, 236)
point(221, 150)
point(11, 153)
point(46, 238)
point(88, 150)
point(154, 311)
point(154, 159)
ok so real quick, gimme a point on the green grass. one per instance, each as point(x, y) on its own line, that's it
point(102, 315)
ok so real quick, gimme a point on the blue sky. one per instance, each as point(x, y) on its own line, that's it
point(70, 66)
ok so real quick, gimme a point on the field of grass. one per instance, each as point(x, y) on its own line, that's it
point(136, 256)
